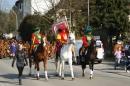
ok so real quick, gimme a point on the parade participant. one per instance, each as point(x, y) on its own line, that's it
point(13, 48)
point(86, 39)
point(20, 58)
point(63, 35)
point(58, 47)
point(35, 40)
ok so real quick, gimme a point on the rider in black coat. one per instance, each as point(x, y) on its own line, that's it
point(21, 61)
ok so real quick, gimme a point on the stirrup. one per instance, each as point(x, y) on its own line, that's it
point(83, 59)
point(31, 57)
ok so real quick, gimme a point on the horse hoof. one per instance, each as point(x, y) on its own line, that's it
point(38, 77)
point(46, 79)
point(73, 78)
point(62, 78)
point(29, 74)
point(91, 77)
point(57, 75)
point(83, 75)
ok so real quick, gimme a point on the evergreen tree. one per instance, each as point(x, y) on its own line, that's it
point(111, 14)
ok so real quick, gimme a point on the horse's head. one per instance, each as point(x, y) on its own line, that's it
point(44, 40)
point(71, 38)
point(93, 45)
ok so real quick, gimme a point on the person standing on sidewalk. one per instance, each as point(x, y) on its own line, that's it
point(13, 48)
point(20, 58)
point(118, 55)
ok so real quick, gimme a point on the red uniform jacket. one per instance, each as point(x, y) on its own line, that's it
point(35, 40)
point(64, 37)
point(87, 40)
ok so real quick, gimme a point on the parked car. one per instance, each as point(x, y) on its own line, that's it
point(100, 53)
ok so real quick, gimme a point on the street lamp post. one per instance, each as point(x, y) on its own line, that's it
point(88, 12)
point(16, 22)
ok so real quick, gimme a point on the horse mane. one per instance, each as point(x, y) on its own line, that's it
point(42, 36)
point(92, 46)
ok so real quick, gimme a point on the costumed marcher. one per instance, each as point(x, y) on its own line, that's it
point(21, 61)
point(35, 40)
point(58, 47)
point(87, 38)
point(13, 48)
point(63, 35)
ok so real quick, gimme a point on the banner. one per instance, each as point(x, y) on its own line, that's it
point(57, 25)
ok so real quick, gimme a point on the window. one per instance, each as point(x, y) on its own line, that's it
point(98, 44)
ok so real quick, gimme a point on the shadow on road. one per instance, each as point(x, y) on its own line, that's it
point(9, 82)
point(10, 77)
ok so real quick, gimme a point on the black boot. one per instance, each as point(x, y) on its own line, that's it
point(83, 59)
point(20, 80)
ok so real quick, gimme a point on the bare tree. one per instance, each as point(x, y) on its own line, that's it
point(3, 5)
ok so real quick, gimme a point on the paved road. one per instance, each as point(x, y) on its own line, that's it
point(104, 75)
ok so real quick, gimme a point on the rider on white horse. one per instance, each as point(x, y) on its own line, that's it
point(63, 37)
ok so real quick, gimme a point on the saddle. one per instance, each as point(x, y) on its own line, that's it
point(84, 52)
point(32, 51)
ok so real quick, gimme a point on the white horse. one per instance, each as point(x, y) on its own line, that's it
point(66, 55)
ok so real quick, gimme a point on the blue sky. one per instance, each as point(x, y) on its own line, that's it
point(11, 2)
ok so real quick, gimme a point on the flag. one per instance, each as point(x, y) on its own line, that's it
point(56, 26)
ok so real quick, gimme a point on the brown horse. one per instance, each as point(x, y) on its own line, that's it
point(26, 48)
point(52, 51)
point(40, 54)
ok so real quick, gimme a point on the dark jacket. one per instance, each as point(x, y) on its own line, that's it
point(20, 58)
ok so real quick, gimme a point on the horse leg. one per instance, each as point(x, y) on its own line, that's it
point(60, 68)
point(35, 70)
point(91, 63)
point(30, 65)
point(37, 66)
point(71, 68)
point(57, 66)
point(63, 63)
point(83, 68)
point(45, 69)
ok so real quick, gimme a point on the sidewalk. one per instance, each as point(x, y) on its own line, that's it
point(109, 68)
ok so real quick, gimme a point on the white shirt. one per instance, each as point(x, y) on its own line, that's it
point(118, 54)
